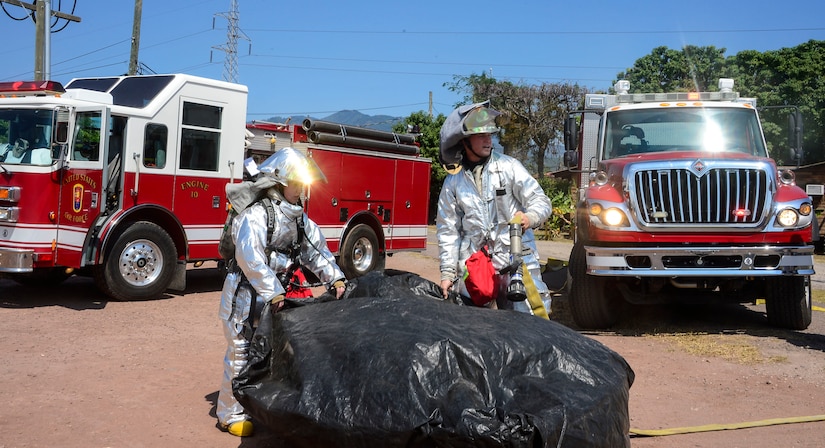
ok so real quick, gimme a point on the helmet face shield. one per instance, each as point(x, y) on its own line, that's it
point(481, 120)
point(289, 164)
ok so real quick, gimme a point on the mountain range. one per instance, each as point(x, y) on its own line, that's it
point(348, 117)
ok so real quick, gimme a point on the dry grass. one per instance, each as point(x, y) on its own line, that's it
point(733, 348)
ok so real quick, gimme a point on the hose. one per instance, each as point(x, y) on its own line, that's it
point(721, 427)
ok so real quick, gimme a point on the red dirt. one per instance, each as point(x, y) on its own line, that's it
point(81, 371)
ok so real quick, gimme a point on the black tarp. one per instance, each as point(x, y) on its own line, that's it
point(392, 365)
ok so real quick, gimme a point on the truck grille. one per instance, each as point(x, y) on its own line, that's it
point(718, 196)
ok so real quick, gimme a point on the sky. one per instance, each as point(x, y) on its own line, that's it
point(382, 57)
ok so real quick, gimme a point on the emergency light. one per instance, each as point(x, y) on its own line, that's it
point(20, 88)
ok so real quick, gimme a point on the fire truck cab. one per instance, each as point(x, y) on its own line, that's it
point(121, 178)
point(678, 200)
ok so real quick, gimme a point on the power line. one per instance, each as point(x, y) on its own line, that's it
point(520, 33)
point(394, 72)
point(407, 61)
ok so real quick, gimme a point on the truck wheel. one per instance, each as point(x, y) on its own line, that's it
point(594, 302)
point(359, 252)
point(788, 302)
point(139, 265)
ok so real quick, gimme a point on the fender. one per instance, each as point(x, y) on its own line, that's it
point(364, 217)
point(103, 232)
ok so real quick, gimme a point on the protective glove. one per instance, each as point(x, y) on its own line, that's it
point(340, 287)
point(277, 303)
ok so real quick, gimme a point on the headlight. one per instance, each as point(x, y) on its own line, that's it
point(806, 209)
point(613, 217)
point(787, 217)
point(9, 214)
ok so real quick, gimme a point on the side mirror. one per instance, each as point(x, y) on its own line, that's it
point(571, 134)
point(571, 159)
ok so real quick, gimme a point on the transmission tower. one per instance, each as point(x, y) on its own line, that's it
point(233, 33)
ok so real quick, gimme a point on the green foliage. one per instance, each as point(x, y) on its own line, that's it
point(560, 221)
point(668, 70)
point(429, 138)
point(535, 114)
point(784, 77)
point(4, 131)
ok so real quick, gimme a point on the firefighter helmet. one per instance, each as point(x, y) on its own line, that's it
point(481, 120)
point(289, 164)
point(464, 121)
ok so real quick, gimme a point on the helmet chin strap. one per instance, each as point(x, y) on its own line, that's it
point(469, 147)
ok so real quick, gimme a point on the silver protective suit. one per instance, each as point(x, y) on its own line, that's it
point(254, 282)
point(470, 217)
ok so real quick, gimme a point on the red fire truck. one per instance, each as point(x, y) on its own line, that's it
point(122, 179)
point(375, 201)
point(679, 201)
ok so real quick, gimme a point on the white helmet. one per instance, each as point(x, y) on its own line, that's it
point(289, 164)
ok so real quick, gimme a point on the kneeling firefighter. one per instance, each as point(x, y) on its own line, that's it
point(488, 207)
point(271, 241)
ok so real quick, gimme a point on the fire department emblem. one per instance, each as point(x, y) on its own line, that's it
point(77, 197)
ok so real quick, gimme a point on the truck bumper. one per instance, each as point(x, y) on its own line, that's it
point(16, 260)
point(700, 261)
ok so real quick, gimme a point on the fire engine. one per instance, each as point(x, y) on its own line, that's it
point(679, 201)
point(123, 179)
point(375, 201)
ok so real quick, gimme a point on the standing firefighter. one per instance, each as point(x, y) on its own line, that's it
point(271, 241)
point(482, 196)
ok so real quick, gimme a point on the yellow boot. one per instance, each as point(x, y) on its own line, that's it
point(242, 428)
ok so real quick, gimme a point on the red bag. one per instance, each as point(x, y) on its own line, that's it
point(293, 291)
point(480, 278)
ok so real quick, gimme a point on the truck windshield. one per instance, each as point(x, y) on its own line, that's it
point(25, 136)
point(712, 130)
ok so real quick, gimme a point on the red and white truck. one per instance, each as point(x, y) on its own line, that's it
point(123, 179)
point(679, 201)
point(375, 201)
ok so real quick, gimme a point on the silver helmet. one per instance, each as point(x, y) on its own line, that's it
point(289, 164)
point(464, 121)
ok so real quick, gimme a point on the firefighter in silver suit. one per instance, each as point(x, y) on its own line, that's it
point(255, 281)
point(483, 192)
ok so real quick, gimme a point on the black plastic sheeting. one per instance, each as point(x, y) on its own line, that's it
point(393, 365)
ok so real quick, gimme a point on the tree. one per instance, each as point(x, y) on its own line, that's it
point(667, 70)
point(535, 114)
point(429, 129)
point(785, 77)
point(663, 70)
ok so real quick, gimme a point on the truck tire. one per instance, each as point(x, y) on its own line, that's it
point(140, 264)
point(359, 252)
point(788, 302)
point(594, 302)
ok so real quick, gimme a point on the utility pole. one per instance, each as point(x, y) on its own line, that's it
point(133, 57)
point(42, 41)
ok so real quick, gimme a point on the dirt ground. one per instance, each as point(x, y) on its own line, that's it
point(81, 371)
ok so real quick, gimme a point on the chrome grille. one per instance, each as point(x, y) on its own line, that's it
point(718, 196)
